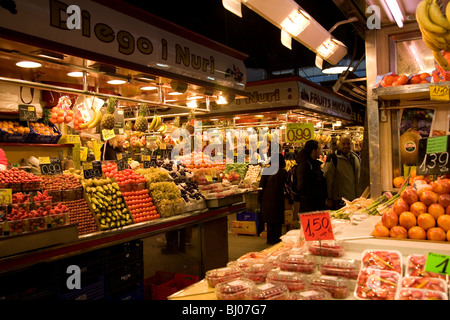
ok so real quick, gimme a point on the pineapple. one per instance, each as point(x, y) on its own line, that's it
point(108, 120)
point(141, 123)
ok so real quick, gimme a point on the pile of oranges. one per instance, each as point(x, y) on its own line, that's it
point(14, 127)
point(61, 116)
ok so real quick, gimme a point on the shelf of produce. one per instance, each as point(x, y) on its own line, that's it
point(46, 145)
point(406, 92)
point(93, 241)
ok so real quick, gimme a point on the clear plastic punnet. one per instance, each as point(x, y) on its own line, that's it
point(234, 289)
point(347, 268)
point(216, 276)
point(327, 248)
point(428, 283)
point(415, 267)
point(337, 286)
point(310, 294)
point(257, 272)
point(389, 260)
point(297, 262)
point(267, 291)
point(420, 294)
point(376, 284)
point(294, 281)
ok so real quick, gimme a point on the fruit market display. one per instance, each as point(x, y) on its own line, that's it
point(141, 123)
point(141, 205)
point(235, 171)
point(167, 197)
point(79, 213)
point(326, 248)
point(373, 284)
point(415, 267)
point(390, 260)
point(61, 113)
point(152, 175)
point(297, 262)
point(252, 174)
point(420, 294)
point(128, 179)
point(394, 80)
point(421, 212)
point(177, 171)
point(107, 203)
point(108, 121)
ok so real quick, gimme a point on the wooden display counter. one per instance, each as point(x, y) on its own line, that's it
point(208, 219)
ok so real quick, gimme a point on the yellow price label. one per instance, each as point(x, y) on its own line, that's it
point(119, 156)
point(439, 92)
point(87, 166)
point(5, 196)
point(108, 134)
point(299, 132)
point(145, 157)
point(30, 108)
point(209, 178)
point(44, 160)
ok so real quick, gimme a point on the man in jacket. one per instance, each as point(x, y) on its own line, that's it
point(311, 184)
point(342, 171)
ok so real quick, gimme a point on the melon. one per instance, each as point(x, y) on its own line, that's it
point(409, 148)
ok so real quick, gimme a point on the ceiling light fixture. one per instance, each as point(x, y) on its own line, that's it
point(174, 93)
point(76, 74)
point(393, 11)
point(295, 23)
point(116, 81)
point(149, 88)
point(194, 97)
point(49, 54)
point(28, 64)
point(192, 104)
point(145, 77)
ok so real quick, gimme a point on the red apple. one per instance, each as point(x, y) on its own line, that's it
point(428, 197)
point(389, 219)
point(409, 195)
point(400, 206)
point(444, 199)
point(417, 208)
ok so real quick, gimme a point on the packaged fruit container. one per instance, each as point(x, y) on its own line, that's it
point(415, 266)
point(225, 274)
point(294, 281)
point(24, 206)
point(38, 223)
point(376, 284)
point(327, 248)
point(233, 290)
point(390, 260)
point(337, 286)
point(257, 272)
point(420, 294)
point(267, 291)
point(55, 220)
point(43, 204)
point(297, 262)
point(428, 283)
point(17, 226)
point(310, 294)
point(347, 268)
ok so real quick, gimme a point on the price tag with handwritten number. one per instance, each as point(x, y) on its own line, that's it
point(298, 132)
point(317, 226)
point(434, 157)
point(439, 92)
point(5, 196)
point(438, 263)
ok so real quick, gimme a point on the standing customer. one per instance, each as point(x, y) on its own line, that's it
point(342, 171)
point(3, 160)
point(271, 201)
point(311, 184)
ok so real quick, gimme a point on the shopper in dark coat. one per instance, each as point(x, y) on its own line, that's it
point(271, 201)
point(311, 184)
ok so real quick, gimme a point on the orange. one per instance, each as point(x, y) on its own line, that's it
point(407, 219)
point(444, 222)
point(436, 234)
point(426, 221)
point(417, 232)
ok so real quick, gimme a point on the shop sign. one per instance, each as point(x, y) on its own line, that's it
point(103, 30)
point(323, 102)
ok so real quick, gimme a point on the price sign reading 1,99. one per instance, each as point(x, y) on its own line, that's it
point(299, 132)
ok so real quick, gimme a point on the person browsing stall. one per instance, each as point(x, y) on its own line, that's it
point(342, 171)
point(311, 184)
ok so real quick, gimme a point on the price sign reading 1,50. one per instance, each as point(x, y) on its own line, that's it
point(317, 226)
point(298, 132)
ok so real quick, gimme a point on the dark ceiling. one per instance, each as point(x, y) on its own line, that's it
point(252, 34)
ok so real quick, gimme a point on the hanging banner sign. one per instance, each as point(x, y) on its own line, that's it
point(113, 29)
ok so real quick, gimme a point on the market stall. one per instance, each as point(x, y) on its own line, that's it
point(62, 196)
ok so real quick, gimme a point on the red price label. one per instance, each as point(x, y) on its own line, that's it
point(317, 226)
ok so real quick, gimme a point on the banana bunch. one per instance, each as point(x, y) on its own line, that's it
point(95, 120)
point(435, 29)
point(155, 124)
point(290, 164)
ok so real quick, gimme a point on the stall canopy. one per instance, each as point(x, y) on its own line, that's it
point(112, 39)
point(292, 95)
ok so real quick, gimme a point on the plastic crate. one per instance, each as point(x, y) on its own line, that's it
point(156, 284)
point(180, 281)
point(123, 276)
point(128, 252)
point(49, 139)
point(30, 137)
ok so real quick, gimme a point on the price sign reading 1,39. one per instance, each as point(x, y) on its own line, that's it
point(299, 132)
point(317, 226)
point(434, 156)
